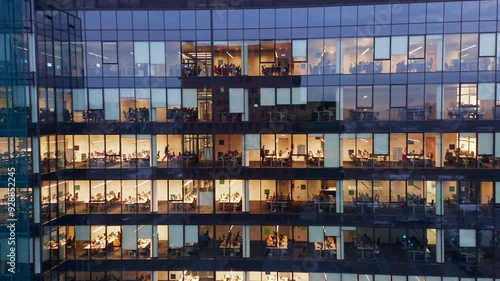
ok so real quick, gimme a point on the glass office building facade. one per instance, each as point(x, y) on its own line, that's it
point(235, 141)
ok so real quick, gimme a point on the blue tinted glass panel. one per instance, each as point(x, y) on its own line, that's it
point(92, 20)
point(203, 19)
point(251, 34)
point(470, 27)
point(487, 26)
point(332, 32)
point(220, 35)
point(188, 35)
point(435, 12)
point(188, 19)
point(283, 33)
point(156, 20)
point(141, 35)
point(172, 20)
point(366, 15)
point(332, 16)
point(219, 19)
point(251, 18)
point(284, 17)
point(109, 35)
point(399, 13)
point(299, 17)
point(487, 10)
point(315, 32)
point(108, 20)
point(452, 11)
point(470, 11)
point(434, 28)
point(203, 34)
point(417, 13)
point(235, 19)
point(383, 14)
point(451, 27)
point(400, 29)
point(349, 15)
point(366, 30)
point(140, 19)
point(124, 35)
point(234, 34)
point(315, 17)
point(172, 35)
point(417, 28)
point(299, 33)
point(267, 18)
point(156, 35)
point(267, 34)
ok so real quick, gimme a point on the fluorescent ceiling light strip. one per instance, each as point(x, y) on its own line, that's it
point(101, 184)
point(470, 47)
point(229, 54)
point(367, 49)
point(98, 229)
point(415, 50)
point(144, 182)
point(187, 183)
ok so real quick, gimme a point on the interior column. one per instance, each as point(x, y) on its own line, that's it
point(154, 242)
point(439, 198)
point(246, 242)
point(154, 151)
point(339, 197)
point(154, 197)
point(340, 245)
point(245, 207)
point(439, 245)
point(244, 59)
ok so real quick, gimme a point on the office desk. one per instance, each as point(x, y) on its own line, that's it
point(426, 253)
point(366, 248)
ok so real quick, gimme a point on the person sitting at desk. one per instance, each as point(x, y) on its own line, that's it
point(310, 158)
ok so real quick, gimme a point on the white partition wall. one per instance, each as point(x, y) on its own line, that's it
point(267, 96)
point(175, 236)
point(332, 150)
point(251, 146)
point(129, 238)
point(191, 234)
point(236, 100)
point(485, 144)
point(332, 231)
point(316, 234)
point(82, 233)
point(174, 98)
point(189, 98)
point(381, 144)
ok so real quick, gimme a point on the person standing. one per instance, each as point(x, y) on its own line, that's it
point(166, 153)
point(262, 154)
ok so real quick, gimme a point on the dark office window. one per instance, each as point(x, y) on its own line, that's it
point(316, 17)
point(417, 13)
point(452, 11)
point(470, 11)
point(299, 17)
point(251, 19)
point(349, 15)
point(92, 20)
point(366, 15)
point(332, 16)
